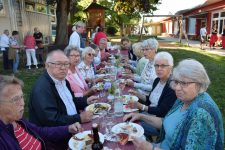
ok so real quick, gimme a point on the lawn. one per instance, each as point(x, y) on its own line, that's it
point(214, 64)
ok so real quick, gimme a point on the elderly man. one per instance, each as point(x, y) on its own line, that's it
point(76, 37)
point(4, 46)
point(18, 133)
point(52, 102)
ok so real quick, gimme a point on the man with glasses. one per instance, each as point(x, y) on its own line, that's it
point(52, 101)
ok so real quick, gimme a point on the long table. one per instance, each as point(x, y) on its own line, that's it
point(112, 145)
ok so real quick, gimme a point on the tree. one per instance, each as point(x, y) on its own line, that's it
point(122, 10)
point(62, 11)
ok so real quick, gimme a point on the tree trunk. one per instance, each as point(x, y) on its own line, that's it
point(121, 31)
point(62, 12)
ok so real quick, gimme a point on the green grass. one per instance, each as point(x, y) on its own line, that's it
point(214, 64)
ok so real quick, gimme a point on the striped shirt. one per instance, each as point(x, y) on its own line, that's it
point(26, 140)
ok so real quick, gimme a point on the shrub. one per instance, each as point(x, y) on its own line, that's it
point(111, 30)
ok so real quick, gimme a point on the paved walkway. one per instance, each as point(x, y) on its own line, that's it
point(193, 43)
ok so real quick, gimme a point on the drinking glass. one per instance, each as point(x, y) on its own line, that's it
point(118, 107)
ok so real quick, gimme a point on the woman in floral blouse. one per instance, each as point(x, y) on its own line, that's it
point(148, 75)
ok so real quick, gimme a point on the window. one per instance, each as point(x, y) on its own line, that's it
point(221, 26)
point(2, 9)
point(29, 6)
point(222, 14)
point(191, 26)
point(41, 8)
point(216, 15)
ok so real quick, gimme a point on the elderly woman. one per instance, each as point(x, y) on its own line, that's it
point(103, 49)
point(17, 133)
point(138, 65)
point(85, 67)
point(30, 43)
point(77, 82)
point(162, 97)
point(195, 121)
point(148, 75)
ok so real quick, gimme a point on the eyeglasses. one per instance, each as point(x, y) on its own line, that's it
point(91, 54)
point(147, 49)
point(58, 65)
point(183, 84)
point(161, 66)
point(14, 100)
point(74, 55)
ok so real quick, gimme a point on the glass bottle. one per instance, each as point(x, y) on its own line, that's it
point(97, 145)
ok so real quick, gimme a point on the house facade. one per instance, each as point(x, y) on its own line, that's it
point(209, 13)
point(24, 15)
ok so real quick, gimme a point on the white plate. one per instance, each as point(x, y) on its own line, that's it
point(128, 110)
point(79, 145)
point(128, 128)
point(101, 75)
point(91, 107)
point(127, 98)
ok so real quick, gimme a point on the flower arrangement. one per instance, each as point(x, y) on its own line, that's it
point(110, 87)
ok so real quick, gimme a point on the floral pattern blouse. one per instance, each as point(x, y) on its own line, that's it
point(86, 71)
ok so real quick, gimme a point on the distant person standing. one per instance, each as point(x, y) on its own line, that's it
point(14, 44)
point(182, 30)
point(203, 34)
point(39, 42)
point(213, 37)
point(99, 35)
point(223, 38)
point(29, 42)
point(4, 46)
point(76, 38)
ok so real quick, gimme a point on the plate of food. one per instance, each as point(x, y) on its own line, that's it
point(130, 128)
point(99, 86)
point(127, 98)
point(127, 109)
point(83, 140)
point(97, 108)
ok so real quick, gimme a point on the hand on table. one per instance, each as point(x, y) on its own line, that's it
point(86, 116)
point(132, 117)
point(141, 144)
point(130, 83)
point(133, 92)
point(92, 99)
point(134, 105)
point(74, 128)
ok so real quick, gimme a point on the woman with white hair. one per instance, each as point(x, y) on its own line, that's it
point(138, 65)
point(85, 67)
point(195, 121)
point(162, 97)
point(29, 42)
point(148, 75)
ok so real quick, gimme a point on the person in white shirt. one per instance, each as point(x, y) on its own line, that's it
point(203, 34)
point(4, 45)
point(76, 38)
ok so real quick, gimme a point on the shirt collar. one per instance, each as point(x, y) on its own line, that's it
point(57, 82)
